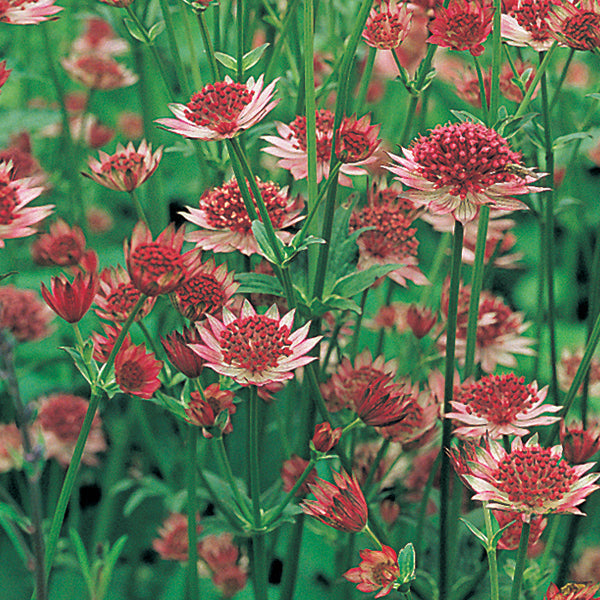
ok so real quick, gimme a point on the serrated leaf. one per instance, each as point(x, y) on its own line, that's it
point(156, 30)
point(258, 283)
point(260, 233)
point(476, 532)
point(356, 282)
point(252, 57)
point(498, 534)
point(563, 140)
point(406, 563)
point(463, 115)
point(226, 60)
point(171, 404)
point(88, 370)
point(134, 31)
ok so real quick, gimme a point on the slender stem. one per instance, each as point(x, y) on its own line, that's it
point(496, 60)
point(368, 531)
point(172, 37)
point(228, 473)
point(292, 559)
point(520, 562)
point(491, 554)
point(192, 510)
point(376, 462)
point(561, 80)
point(556, 521)
point(361, 99)
point(139, 210)
point(448, 391)
point(389, 294)
point(420, 525)
point(194, 63)
point(476, 282)
point(291, 9)
point(482, 95)
point(217, 500)
point(239, 18)
point(357, 327)
point(208, 46)
point(567, 554)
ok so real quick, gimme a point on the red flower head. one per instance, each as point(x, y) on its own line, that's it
point(103, 344)
point(325, 438)
point(205, 410)
point(291, 471)
point(158, 267)
point(22, 313)
point(378, 570)
point(71, 301)
point(460, 167)
point(136, 371)
point(340, 505)
point(4, 73)
point(117, 296)
point(356, 140)
point(224, 222)
point(462, 25)
point(27, 12)
point(577, 27)
point(221, 557)
point(527, 23)
point(11, 447)
point(572, 591)
point(99, 37)
point(180, 354)
point(579, 443)
point(63, 246)
point(173, 542)
point(126, 169)
point(222, 110)
point(420, 319)
point(512, 534)
point(387, 25)
point(98, 71)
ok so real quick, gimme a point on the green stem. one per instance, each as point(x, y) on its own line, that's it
point(292, 559)
point(554, 527)
point(482, 95)
point(192, 510)
point(291, 9)
point(356, 335)
point(368, 531)
point(194, 62)
point(361, 100)
point(373, 468)
point(491, 554)
point(179, 70)
point(420, 525)
point(448, 392)
point(496, 61)
point(561, 79)
point(208, 46)
point(520, 562)
point(216, 499)
point(476, 282)
point(139, 210)
point(310, 102)
point(379, 348)
point(239, 18)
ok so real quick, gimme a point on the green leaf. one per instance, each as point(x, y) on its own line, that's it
point(512, 125)
point(18, 545)
point(498, 534)
point(82, 559)
point(477, 533)
point(87, 368)
point(356, 282)
point(109, 566)
point(463, 115)
point(173, 405)
point(252, 57)
point(258, 283)
point(260, 233)
point(595, 96)
point(13, 514)
point(289, 514)
point(135, 32)
point(9, 274)
point(226, 60)
point(406, 563)
point(563, 140)
point(156, 30)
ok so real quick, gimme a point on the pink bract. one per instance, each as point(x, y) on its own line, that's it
point(28, 12)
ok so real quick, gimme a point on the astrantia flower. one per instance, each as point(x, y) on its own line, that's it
point(99, 37)
point(23, 314)
point(378, 570)
point(567, 367)
point(204, 409)
point(27, 12)
point(98, 71)
point(579, 443)
point(117, 296)
point(158, 267)
point(220, 555)
point(136, 371)
point(15, 218)
point(340, 505)
point(512, 534)
point(572, 591)
point(63, 246)
point(529, 479)
point(71, 301)
point(254, 349)
point(207, 292)
point(325, 438)
point(103, 344)
point(460, 167)
point(173, 543)
point(356, 140)
point(126, 169)
point(577, 27)
point(393, 237)
point(528, 24)
point(500, 405)
point(118, 3)
point(292, 469)
point(387, 25)
point(224, 222)
point(180, 354)
point(462, 25)
point(222, 110)
point(11, 447)
point(420, 319)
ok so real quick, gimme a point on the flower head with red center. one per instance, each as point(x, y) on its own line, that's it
point(572, 591)
point(462, 25)
point(136, 371)
point(392, 239)
point(512, 534)
point(378, 570)
point(23, 314)
point(292, 469)
point(499, 405)
point(204, 410)
point(528, 24)
point(99, 37)
point(63, 246)
point(173, 542)
point(158, 267)
point(207, 292)
point(16, 218)
point(60, 418)
point(577, 27)
point(127, 168)
point(4, 73)
point(11, 447)
point(220, 555)
point(530, 479)
point(387, 25)
point(27, 12)
point(180, 354)
point(103, 344)
point(420, 319)
point(325, 438)
point(224, 222)
point(98, 71)
point(117, 296)
point(71, 301)
point(357, 140)
point(340, 505)
point(579, 443)
point(460, 167)
point(567, 367)
point(254, 349)
point(24, 164)
point(222, 110)
point(347, 383)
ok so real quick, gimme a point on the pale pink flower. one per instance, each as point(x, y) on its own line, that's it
point(527, 24)
point(222, 110)
point(99, 36)
point(98, 71)
point(254, 349)
point(27, 12)
point(568, 365)
point(11, 448)
point(388, 24)
point(377, 572)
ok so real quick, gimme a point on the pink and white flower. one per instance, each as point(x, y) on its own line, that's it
point(27, 12)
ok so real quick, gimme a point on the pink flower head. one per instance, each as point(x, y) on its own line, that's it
point(357, 140)
point(325, 438)
point(378, 570)
point(11, 447)
point(512, 534)
point(127, 168)
point(136, 371)
point(292, 469)
point(158, 267)
point(460, 167)
point(173, 543)
point(204, 410)
point(15, 218)
point(254, 349)
point(220, 555)
point(224, 222)
point(27, 12)
point(71, 301)
point(579, 443)
point(23, 314)
point(420, 319)
point(180, 354)
point(98, 71)
point(462, 25)
point(103, 344)
point(63, 246)
point(577, 27)
point(567, 367)
point(387, 25)
point(222, 110)
point(99, 37)
point(572, 591)
point(117, 296)
point(530, 479)
point(527, 24)
point(4, 73)
point(118, 3)
point(499, 405)
point(340, 505)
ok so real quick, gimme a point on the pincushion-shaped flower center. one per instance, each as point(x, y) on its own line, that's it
point(202, 294)
point(225, 209)
point(8, 202)
point(255, 343)
point(504, 321)
point(465, 157)
point(218, 106)
point(324, 122)
point(498, 398)
point(385, 31)
point(63, 415)
point(583, 30)
point(383, 572)
point(353, 146)
point(122, 299)
point(534, 477)
point(532, 15)
point(157, 260)
point(465, 26)
point(131, 376)
point(99, 67)
point(123, 162)
point(352, 388)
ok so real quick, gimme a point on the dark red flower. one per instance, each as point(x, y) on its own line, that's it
point(63, 246)
point(579, 443)
point(325, 438)
point(71, 301)
point(103, 344)
point(291, 471)
point(378, 569)
point(572, 591)
point(181, 355)
point(136, 371)
point(382, 402)
point(204, 410)
point(420, 320)
point(356, 140)
point(23, 314)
